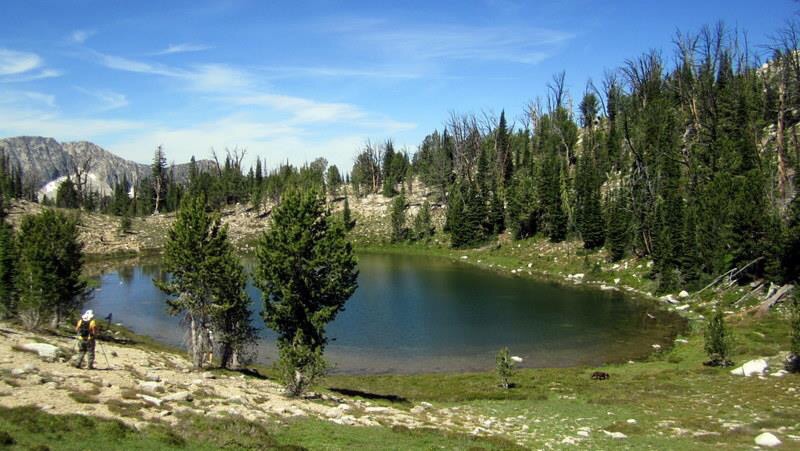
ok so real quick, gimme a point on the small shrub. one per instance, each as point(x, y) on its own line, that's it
point(125, 225)
point(299, 367)
point(717, 341)
point(505, 367)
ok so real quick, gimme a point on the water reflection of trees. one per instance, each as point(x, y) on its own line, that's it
point(126, 274)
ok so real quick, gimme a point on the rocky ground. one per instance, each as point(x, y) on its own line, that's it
point(140, 386)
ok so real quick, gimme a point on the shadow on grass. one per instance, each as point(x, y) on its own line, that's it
point(367, 395)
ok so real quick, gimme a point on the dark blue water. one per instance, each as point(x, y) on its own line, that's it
point(417, 314)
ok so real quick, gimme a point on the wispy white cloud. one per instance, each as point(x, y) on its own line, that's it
point(42, 74)
point(204, 77)
point(341, 72)
point(239, 87)
point(108, 100)
point(27, 99)
point(28, 118)
point(16, 66)
point(303, 110)
point(524, 45)
point(131, 65)
point(215, 78)
point(181, 48)
point(13, 62)
point(80, 36)
point(267, 123)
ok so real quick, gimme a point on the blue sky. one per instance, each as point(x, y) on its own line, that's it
point(297, 80)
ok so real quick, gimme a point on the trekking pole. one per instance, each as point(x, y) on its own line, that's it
point(108, 365)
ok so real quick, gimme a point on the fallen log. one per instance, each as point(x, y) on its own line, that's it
point(778, 296)
point(749, 293)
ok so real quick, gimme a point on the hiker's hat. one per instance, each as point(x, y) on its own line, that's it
point(88, 315)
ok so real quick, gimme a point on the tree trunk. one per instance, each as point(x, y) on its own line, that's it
point(195, 340)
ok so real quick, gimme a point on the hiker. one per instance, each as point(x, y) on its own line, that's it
point(87, 329)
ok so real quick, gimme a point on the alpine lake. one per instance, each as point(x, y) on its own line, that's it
point(417, 314)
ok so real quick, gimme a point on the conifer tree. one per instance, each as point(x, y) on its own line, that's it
point(49, 280)
point(717, 342)
point(347, 219)
point(8, 269)
point(259, 173)
point(230, 304)
point(505, 159)
point(455, 210)
point(423, 225)
point(206, 282)
point(397, 218)
point(496, 214)
point(333, 180)
point(522, 207)
point(158, 178)
point(470, 231)
point(306, 270)
point(387, 167)
point(67, 196)
point(618, 225)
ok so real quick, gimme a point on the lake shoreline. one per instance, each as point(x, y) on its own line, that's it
point(358, 359)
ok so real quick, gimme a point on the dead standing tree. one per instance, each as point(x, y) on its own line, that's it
point(81, 167)
point(467, 140)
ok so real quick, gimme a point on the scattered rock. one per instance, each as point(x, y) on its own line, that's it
point(615, 435)
point(683, 307)
point(583, 433)
point(153, 401)
point(152, 377)
point(682, 341)
point(516, 359)
point(416, 410)
point(179, 396)
point(656, 346)
point(683, 294)
point(333, 412)
point(208, 375)
point(670, 299)
point(767, 439)
point(377, 409)
point(779, 373)
point(631, 421)
point(46, 352)
point(752, 368)
point(151, 387)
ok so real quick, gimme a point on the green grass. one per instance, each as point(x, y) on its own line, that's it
point(29, 428)
point(670, 387)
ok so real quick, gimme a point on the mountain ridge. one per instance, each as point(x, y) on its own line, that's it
point(45, 162)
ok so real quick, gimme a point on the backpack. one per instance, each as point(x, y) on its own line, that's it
point(83, 329)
